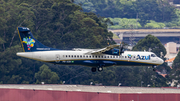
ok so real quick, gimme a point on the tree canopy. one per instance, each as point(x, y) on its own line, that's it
point(174, 75)
point(150, 43)
point(144, 10)
point(46, 75)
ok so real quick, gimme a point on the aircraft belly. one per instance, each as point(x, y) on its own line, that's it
point(104, 63)
point(133, 63)
point(80, 62)
point(91, 63)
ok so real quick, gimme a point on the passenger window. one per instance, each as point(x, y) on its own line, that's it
point(107, 56)
point(99, 56)
point(69, 56)
point(93, 56)
point(125, 57)
point(66, 55)
point(87, 56)
point(77, 56)
point(81, 56)
point(110, 56)
point(104, 56)
point(96, 56)
point(74, 55)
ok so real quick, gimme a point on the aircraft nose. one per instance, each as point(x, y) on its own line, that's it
point(161, 61)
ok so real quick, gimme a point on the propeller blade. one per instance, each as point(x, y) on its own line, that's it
point(121, 48)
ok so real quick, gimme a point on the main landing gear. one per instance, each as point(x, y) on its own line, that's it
point(99, 69)
point(93, 69)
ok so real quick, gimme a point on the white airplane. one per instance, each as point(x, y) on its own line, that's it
point(94, 58)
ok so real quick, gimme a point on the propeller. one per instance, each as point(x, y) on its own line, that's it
point(161, 54)
point(121, 48)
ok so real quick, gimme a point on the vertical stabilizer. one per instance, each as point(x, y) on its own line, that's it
point(29, 43)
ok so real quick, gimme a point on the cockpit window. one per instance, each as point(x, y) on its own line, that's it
point(153, 55)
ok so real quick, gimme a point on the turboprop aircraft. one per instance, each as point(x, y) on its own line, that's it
point(94, 58)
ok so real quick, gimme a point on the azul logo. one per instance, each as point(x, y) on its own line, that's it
point(29, 42)
point(129, 56)
point(143, 57)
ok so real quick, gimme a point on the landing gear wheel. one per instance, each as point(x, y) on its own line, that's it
point(154, 69)
point(93, 69)
point(100, 69)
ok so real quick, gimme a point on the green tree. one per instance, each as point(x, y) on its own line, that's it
point(152, 43)
point(124, 23)
point(15, 69)
point(174, 75)
point(144, 10)
point(63, 21)
point(46, 75)
point(13, 15)
point(176, 63)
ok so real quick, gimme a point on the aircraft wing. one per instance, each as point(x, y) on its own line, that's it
point(100, 51)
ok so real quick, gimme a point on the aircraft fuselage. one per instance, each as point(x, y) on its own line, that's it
point(95, 58)
point(67, 57)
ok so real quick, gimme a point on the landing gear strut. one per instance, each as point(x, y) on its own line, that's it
point(154, 68)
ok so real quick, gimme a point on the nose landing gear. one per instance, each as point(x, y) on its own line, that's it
point(154, 68)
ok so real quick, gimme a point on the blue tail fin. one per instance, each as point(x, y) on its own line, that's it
point(29, 43)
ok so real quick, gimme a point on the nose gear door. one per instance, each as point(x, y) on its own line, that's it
point(57, 57)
